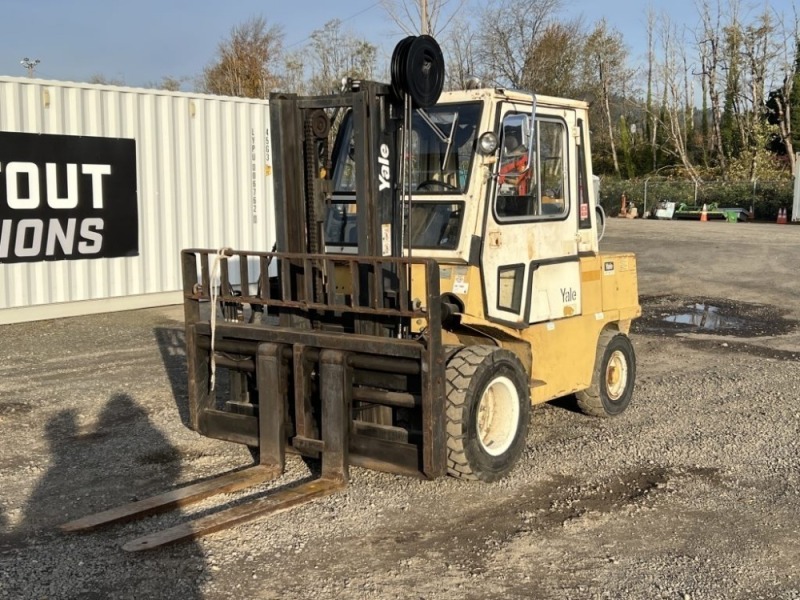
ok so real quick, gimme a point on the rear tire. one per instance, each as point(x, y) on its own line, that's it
point(488, 411)
point(613, 377)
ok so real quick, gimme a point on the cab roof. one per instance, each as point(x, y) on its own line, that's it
point(498, 94)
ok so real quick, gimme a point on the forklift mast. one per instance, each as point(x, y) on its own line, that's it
point(302, 181)
point(303, 186)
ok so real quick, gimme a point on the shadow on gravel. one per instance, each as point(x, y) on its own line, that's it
point(93, 469)
point(568, 403)
point(172, 345)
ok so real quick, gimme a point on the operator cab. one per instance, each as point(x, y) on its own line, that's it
point(496, 179)
point(473, 150)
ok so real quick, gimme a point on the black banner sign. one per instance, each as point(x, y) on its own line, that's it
point(65, 197)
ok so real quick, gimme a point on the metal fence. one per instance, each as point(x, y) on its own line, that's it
point(765, 198)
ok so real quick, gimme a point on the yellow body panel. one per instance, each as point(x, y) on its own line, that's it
point(563, 351)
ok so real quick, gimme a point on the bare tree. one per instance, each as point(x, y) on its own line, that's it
point(606, 57)
point(652, 119)
point(711, 51)
point(168, 83)
point(293, 78)
point(741, 56)
point(509, 35)
point(461, 51)
point(100, 79)
point(432, 17)
point(672, 75)
point(247, 62)
point(783, 103)
point(688, 97)
point(333, 54)
point(761, 49)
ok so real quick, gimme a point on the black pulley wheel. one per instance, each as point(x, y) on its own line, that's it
point(418, 70)
point(424, 71)
point(320, 123)
point(399, 57)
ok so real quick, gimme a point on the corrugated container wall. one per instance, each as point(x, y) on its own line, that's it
point(203, 179)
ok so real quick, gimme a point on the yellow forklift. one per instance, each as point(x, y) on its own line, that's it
point(436, 273)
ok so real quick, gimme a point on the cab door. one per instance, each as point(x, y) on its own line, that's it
point(530, 250)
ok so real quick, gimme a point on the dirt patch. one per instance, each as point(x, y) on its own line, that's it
point(160, 457)
point(565, 504)
point(8, 409)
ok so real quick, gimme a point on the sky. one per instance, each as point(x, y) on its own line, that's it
point(142, 41)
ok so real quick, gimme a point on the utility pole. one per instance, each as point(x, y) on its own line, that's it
point(423, 10)
point(29, 64)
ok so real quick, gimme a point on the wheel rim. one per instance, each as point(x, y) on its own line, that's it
point(616, 375)
point(498, 416)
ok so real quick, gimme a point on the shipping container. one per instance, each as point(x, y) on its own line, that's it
point(102, 186)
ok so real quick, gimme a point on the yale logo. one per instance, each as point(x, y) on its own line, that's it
point(568, 295)
point(385, 174)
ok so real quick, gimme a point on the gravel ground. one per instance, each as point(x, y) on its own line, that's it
point(693, 493)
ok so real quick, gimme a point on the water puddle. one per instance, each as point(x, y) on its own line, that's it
point(678, 315)
point(705, 316)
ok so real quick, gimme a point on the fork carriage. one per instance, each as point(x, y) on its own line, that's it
point(328, 377)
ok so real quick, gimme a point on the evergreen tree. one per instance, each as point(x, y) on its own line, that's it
point(794, 100)
point(625, 146)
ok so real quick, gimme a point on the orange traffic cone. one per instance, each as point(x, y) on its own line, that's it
point(704, 213)
point(782, 216)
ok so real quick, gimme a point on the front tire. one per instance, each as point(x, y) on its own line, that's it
point(488, 411)
point(613, 377)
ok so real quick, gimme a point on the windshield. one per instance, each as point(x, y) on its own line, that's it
point(442, 147)
point(443, 141)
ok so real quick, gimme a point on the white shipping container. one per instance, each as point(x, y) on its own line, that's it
point(203, 179)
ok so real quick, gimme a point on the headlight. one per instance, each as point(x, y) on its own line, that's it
point(487, 144)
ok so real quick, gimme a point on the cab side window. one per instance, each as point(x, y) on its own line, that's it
point(526, 191)
point(515, 181)
point(551, 158)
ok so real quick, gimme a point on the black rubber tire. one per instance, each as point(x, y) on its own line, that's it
point(469, 373)
point(600, 400)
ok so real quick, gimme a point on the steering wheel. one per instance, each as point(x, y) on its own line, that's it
point(444, 184)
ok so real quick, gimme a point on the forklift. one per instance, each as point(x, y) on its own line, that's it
point(436, 273)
